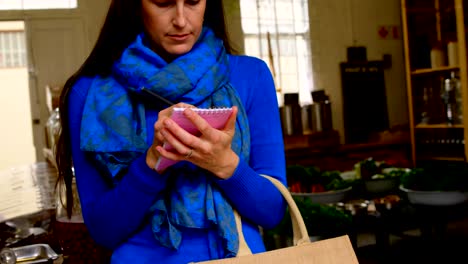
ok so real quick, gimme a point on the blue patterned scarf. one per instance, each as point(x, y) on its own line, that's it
point(113, 133)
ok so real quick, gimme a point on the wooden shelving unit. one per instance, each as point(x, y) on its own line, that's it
point(426, 25)
point(434, 70)
point(433, 126)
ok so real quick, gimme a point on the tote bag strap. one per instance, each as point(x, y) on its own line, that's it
point(244, 249)
point(300, 235)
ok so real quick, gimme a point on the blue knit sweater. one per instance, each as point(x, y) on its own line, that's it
point(118, 216)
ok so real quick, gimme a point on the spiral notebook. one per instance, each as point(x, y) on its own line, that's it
point(216, 117)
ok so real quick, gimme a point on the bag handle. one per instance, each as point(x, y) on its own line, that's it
point(300, 235)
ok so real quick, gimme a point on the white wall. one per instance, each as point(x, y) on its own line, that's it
point(94, 13)
point(16, 142)
point(337, 24)
point(367, 15)
point(17, 134)
point(234, 27)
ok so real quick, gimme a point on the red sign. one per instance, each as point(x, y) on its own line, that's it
point(388, 32)
point(383, 32)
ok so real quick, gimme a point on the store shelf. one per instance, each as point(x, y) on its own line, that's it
point(434, 70)
point(440, 158)
point(432, 126)
point(427, 26)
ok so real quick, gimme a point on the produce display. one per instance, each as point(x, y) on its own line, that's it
point(433, 185)
point(378, 177)
point(370, 169)
point(309, 179)
point(447, 178)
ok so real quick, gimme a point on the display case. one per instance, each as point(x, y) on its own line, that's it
point(436, 73)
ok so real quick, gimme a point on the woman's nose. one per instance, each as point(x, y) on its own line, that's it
point(179, 19)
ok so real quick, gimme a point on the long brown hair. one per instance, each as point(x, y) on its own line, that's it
point(121, 26)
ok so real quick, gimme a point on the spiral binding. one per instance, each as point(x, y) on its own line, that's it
point(205, 111)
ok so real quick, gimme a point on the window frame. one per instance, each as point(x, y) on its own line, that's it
point(13, 55)
point(31, 7)
point(288, 79)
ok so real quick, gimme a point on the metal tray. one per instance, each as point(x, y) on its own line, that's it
point(36, 253)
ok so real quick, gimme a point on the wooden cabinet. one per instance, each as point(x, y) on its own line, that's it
point(434, 34)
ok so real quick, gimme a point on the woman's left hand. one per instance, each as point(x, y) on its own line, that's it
point(211, 150)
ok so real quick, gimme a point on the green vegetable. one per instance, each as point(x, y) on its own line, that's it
point(378, 176)
point(311, 175)
point(396, 172)
point(446, 178)
point(367, 168)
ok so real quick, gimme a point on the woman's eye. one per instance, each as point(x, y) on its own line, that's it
point(193, 2)
point(162, 3)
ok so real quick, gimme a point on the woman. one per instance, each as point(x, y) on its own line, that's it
point(114, 133)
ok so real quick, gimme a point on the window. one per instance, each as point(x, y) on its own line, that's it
point(278, 32)
point(12, 47)
point(37, 4)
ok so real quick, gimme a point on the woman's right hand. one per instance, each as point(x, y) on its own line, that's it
point(152, 154)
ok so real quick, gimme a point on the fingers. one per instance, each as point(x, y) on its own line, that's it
point(210, 149)
point(198, 121)
point(205, 128)
point(166, 113)
point(163, 116)
point(231, 123)
point(158, 138)
point(175, 155)
point(189, 155)
point(177, 137)
point(209, 135)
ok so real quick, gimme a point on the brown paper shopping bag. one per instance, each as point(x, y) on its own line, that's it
point(338, 250)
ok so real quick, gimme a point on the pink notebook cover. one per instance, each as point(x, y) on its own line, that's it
point(216, 117)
